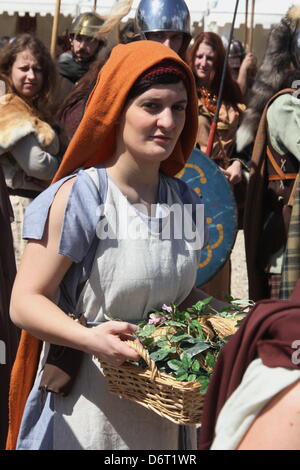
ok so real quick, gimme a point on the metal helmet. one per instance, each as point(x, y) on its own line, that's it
point(237, 49)
point(86, 23)
point(163, 15)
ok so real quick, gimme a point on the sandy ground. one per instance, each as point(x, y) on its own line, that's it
point(239, 280)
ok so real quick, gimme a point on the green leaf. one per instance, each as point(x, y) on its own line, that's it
point(210, 360)
point(186, 362)
point(192, 378)
point(181, 375)
point(196, 325)
point(175, 323)
point(204, 381)
point(179, 337)
point(196, 366)
point(201, 304)
point(147, 330)
point(159, 355)
point(197, 349)
point(175, 364)
point(162, 343)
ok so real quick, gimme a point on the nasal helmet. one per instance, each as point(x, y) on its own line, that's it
point(237, 49)
point(164, 15)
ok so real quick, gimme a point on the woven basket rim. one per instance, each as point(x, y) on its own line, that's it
point(162, 379)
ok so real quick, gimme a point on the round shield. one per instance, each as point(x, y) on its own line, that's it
point(204, 176)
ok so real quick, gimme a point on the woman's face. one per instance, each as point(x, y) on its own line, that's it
point(204, 63)
point(152, 123)
point(26, 75)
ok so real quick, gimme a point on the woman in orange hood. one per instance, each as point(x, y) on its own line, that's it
point(97, 248)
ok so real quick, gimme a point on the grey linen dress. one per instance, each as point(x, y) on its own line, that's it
point(128, 269)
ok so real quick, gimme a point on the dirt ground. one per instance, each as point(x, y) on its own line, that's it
point(239, 280)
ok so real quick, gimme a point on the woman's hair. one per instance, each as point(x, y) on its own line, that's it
point(166, 72)
point(231, 91)
point(44, 100)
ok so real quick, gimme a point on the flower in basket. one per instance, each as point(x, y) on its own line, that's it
point(186, 344)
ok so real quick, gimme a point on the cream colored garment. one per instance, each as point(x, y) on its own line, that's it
point(259, 385)
point(19, 205)
point(128, 278)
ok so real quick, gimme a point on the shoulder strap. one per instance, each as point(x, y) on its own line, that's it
point(99, 177)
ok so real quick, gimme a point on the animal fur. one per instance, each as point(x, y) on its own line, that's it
point(271, 76)
point(109, 31)
point(18, 120)
point(293, 14)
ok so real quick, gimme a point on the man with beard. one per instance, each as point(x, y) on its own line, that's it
point(84, 49)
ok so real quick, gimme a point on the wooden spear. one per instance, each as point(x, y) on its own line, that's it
point(214, 123)
point(252, 26)
point(246, 24)
point(55, 29)
point(95, 5)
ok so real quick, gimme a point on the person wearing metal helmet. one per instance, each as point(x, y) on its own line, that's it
point(242, 65)
point(84, 47)
point(272, 237)
point(165, 21)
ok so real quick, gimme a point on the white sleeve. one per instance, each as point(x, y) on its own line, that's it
point(259, 385)
point(283, 118)
point(35, 161)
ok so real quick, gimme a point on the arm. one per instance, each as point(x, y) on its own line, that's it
point(41, 271)
point(277, 427)
point(34, 160)
point(248, 63)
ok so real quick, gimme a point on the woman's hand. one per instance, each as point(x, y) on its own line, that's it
point(106, 342)
point(234, 172)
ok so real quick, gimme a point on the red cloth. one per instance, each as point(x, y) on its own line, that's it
point(268, 331)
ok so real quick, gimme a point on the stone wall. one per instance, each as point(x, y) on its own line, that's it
point(8, 27)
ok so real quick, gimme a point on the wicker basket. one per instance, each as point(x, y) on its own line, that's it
point(180, 402)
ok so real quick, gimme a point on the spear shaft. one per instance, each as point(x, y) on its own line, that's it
point(214, 123)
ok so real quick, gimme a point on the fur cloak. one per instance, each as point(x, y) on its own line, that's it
point(272, 75)
point(17, 119)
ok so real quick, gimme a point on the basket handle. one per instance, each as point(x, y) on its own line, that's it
point(145, 355)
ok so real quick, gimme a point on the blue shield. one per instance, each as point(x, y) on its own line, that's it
point(205, 177)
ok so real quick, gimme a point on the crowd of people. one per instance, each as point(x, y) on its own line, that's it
point(110, 126)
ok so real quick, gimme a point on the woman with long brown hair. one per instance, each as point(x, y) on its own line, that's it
point(206, 58)
point(28, 143)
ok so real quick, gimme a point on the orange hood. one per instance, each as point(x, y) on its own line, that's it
point(94, 139)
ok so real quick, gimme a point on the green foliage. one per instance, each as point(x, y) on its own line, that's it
point(179, 343)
